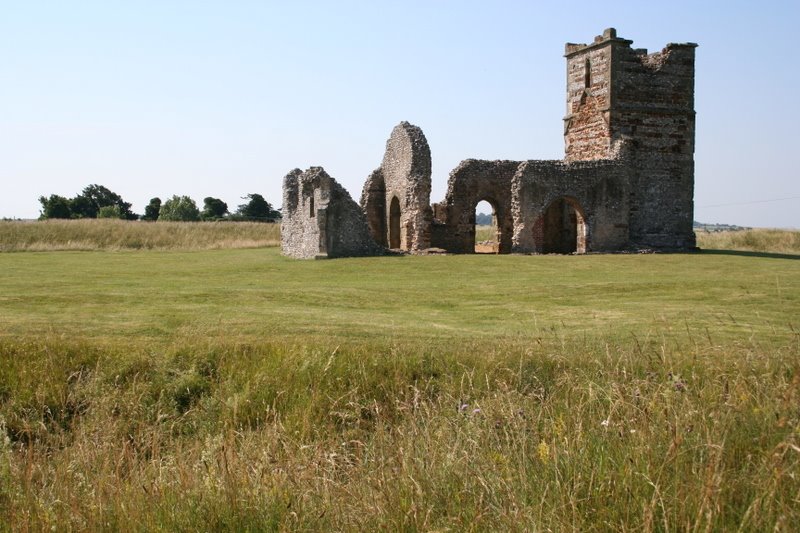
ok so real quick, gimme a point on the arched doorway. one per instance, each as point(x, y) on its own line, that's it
point(394, 223)
point(487, 234)
point(564, 228)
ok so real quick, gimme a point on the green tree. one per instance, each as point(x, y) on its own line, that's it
point(213, 209)
point(152, 209)
point(82, 207)
point(94, 197)
point(55, 207)
point(179, 208)
point(257, 209)
point(109, 211)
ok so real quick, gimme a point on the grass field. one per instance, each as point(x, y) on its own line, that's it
point(755, 240)
point(485, 233)
point(236, 389)
point(109, 234)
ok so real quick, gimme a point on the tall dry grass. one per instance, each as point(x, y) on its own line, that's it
point(485, 233)
point(558, 435)
point(109, 234)
point(754, 240)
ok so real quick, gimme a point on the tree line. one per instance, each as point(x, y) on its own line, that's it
point(97, 201)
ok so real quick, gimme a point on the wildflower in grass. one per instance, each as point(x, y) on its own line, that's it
point(559, 427)
point(498, 458)
point(677, 383)
point(543, 452)
point(743, 397)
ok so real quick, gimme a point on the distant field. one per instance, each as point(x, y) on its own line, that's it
point(485, 233)
point(107, 234)
point(104, 234)
point(755, 240)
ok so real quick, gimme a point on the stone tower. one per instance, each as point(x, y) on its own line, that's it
point(616, 93)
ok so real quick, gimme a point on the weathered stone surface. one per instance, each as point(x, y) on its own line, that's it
point(471, 182)
point(615, 92)
point(570, 207)
point(373, 202)
point(396, 197)
point(321, 220)
point(627, 180)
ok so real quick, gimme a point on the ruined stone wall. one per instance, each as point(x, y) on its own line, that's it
point(627, 180)
point(588, 200)
point(655, 98)
point(471, 182)
point(321, 220)
point(373, 202)
point(406, 171)
point(597, 190)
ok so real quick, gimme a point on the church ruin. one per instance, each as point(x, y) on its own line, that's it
point(626, 182)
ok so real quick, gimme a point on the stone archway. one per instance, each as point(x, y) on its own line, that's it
point(491, 239)
point(564, 227)
point(394, 223)
point(471, 182)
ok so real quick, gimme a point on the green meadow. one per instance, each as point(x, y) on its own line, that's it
point(257, 295)
point(225, 387)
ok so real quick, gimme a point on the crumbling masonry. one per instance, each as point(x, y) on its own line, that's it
point(627, 181)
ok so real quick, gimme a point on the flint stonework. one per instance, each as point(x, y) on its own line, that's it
point(321, 220)
point(396, 196)
point(626, 182)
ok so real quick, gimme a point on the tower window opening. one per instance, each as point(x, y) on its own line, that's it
point(587, 74)
point(311, 207)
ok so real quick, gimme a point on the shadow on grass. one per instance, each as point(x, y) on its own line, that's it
point(742, 253)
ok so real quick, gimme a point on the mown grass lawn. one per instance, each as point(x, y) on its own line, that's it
point(258, 294)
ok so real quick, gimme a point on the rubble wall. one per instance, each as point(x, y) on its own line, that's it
point(627, 180)
point(655, 95)
point(597, 189)
point(373, 203)
point(406, 172)
point(321, 220)
point(471, 182)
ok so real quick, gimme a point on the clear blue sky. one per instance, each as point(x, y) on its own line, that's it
point(155, 98)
